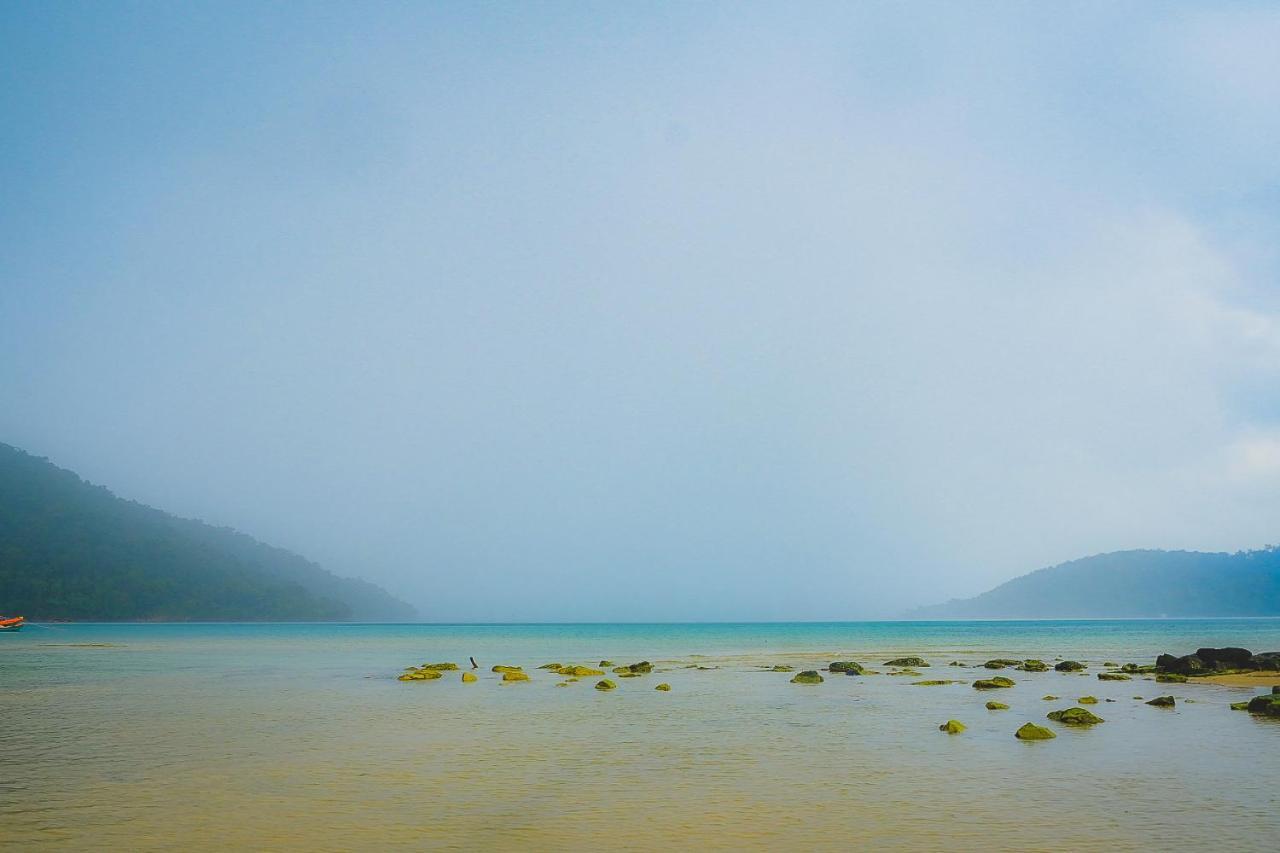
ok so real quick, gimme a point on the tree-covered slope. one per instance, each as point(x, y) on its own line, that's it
point(72, 550)
point(1134, 584)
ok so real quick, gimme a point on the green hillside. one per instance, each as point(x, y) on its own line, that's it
point(73, 550)
point(1134, 584)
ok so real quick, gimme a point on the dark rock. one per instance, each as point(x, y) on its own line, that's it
point(1001, 663)
point(992, 683)
point(848, 667)
point(1269, 661)
point(1228, 658)
point(1162, 702)
point(1268, 704)
point(907, 662)
point(1069, 666)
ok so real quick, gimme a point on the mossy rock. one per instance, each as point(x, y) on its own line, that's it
point(1076, 717)
point(809, 676)
point(1239, 706)
point(1049, 698)
point(605, 684)
point(1001, 663)
point(997, 706)
point(420, 675)
point(1069, 666)
point(1113, 676)
point(934, 682)
point(605, 663)
point(1034, 666)
point(1131, 668)
point(501, 668)
point(783, 668)
point(992, 683)
point(626, 673)
point(952, 727)
point(1088, 700)
point(440, 667)
point(1033, 732)
point(515, 675)
point(1268, 705)
point(1162, 702)
point(848, 667)
point(468, 677)
point(1110, 663)
point(905, 672)
point(579, 671)
point(907, 662)
point(562, 684)
point(664, 687)
point(1171, 678)
point(552, 666)
point(641, 668)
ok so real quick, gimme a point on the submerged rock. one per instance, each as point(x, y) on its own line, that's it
point(1162, 702)
point(952, 727)
point(420, 675)
point(997, 706)
point(1075, 717)
point(905, 672)
point(514, 675)
point(992, 683)
point(641, 668)
point(908, 662)
point(809, 676)
point(848, 667)
point(664, 687)
point(551, 666)
point(468, 677)
point(501, 668)
point(1069, 666)
point(1113, 676)
point(1001, 663)
point(605, 684)
point(1171, 678)
point(605, 663)
point(935, 683)
point(782, 668)
point(1033, 732)
point(439, 667)
point(1049, 698)
point(1034, 666)
point(1088, 700)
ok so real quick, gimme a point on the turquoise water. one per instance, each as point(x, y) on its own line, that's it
point(298, 736)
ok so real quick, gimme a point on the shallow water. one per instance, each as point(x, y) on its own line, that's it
point(201, 737)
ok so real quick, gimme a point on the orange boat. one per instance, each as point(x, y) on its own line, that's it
point(14, 624)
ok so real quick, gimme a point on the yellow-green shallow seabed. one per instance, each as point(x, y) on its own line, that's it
point(292, 737)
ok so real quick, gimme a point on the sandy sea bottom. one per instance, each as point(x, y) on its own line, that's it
point(299, 737)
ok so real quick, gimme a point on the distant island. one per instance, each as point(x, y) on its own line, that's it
point(1133, 584)
point(70, 550)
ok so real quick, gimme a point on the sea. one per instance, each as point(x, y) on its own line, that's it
point(223, 737)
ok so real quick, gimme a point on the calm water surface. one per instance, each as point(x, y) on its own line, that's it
point(197, 737)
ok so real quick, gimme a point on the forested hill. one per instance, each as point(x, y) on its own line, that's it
point(73, 550)
point(1134, 584)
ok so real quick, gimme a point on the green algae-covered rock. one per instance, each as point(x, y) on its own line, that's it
point(1069, 666)
point(1076, 717)
point(1268, 705)
point(420, 675)
point(905, 672)
point(605, 663)
point(551, 666)
point(578, 671)
point(440, 667)
point(1171, 678)
point(1162, 702)
point(514, 675)
point(605, 684)
point(1113, 676)
point(934, 683)
point(626, 673)
point(1049, 698)
point(1088, 700)
point(783, 668)
point(1001, 663)
point(997, 706)
point(848, 667)
point(909, 662)
point(501, 668)
point(664, 687)
point(1109, 663)
point(952, 727)
point(468, 677)
point(641, 668)
point(1239, 706)
point(809, 676)
point(1033, 732)
point(1034, 666)
point(992, 683)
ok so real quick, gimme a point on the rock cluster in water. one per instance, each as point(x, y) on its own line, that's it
point(848, 667)
point(1210, 661)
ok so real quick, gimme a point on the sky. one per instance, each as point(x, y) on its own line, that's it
point(653, 311)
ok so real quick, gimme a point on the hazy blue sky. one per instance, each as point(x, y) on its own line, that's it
point(629, 311)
